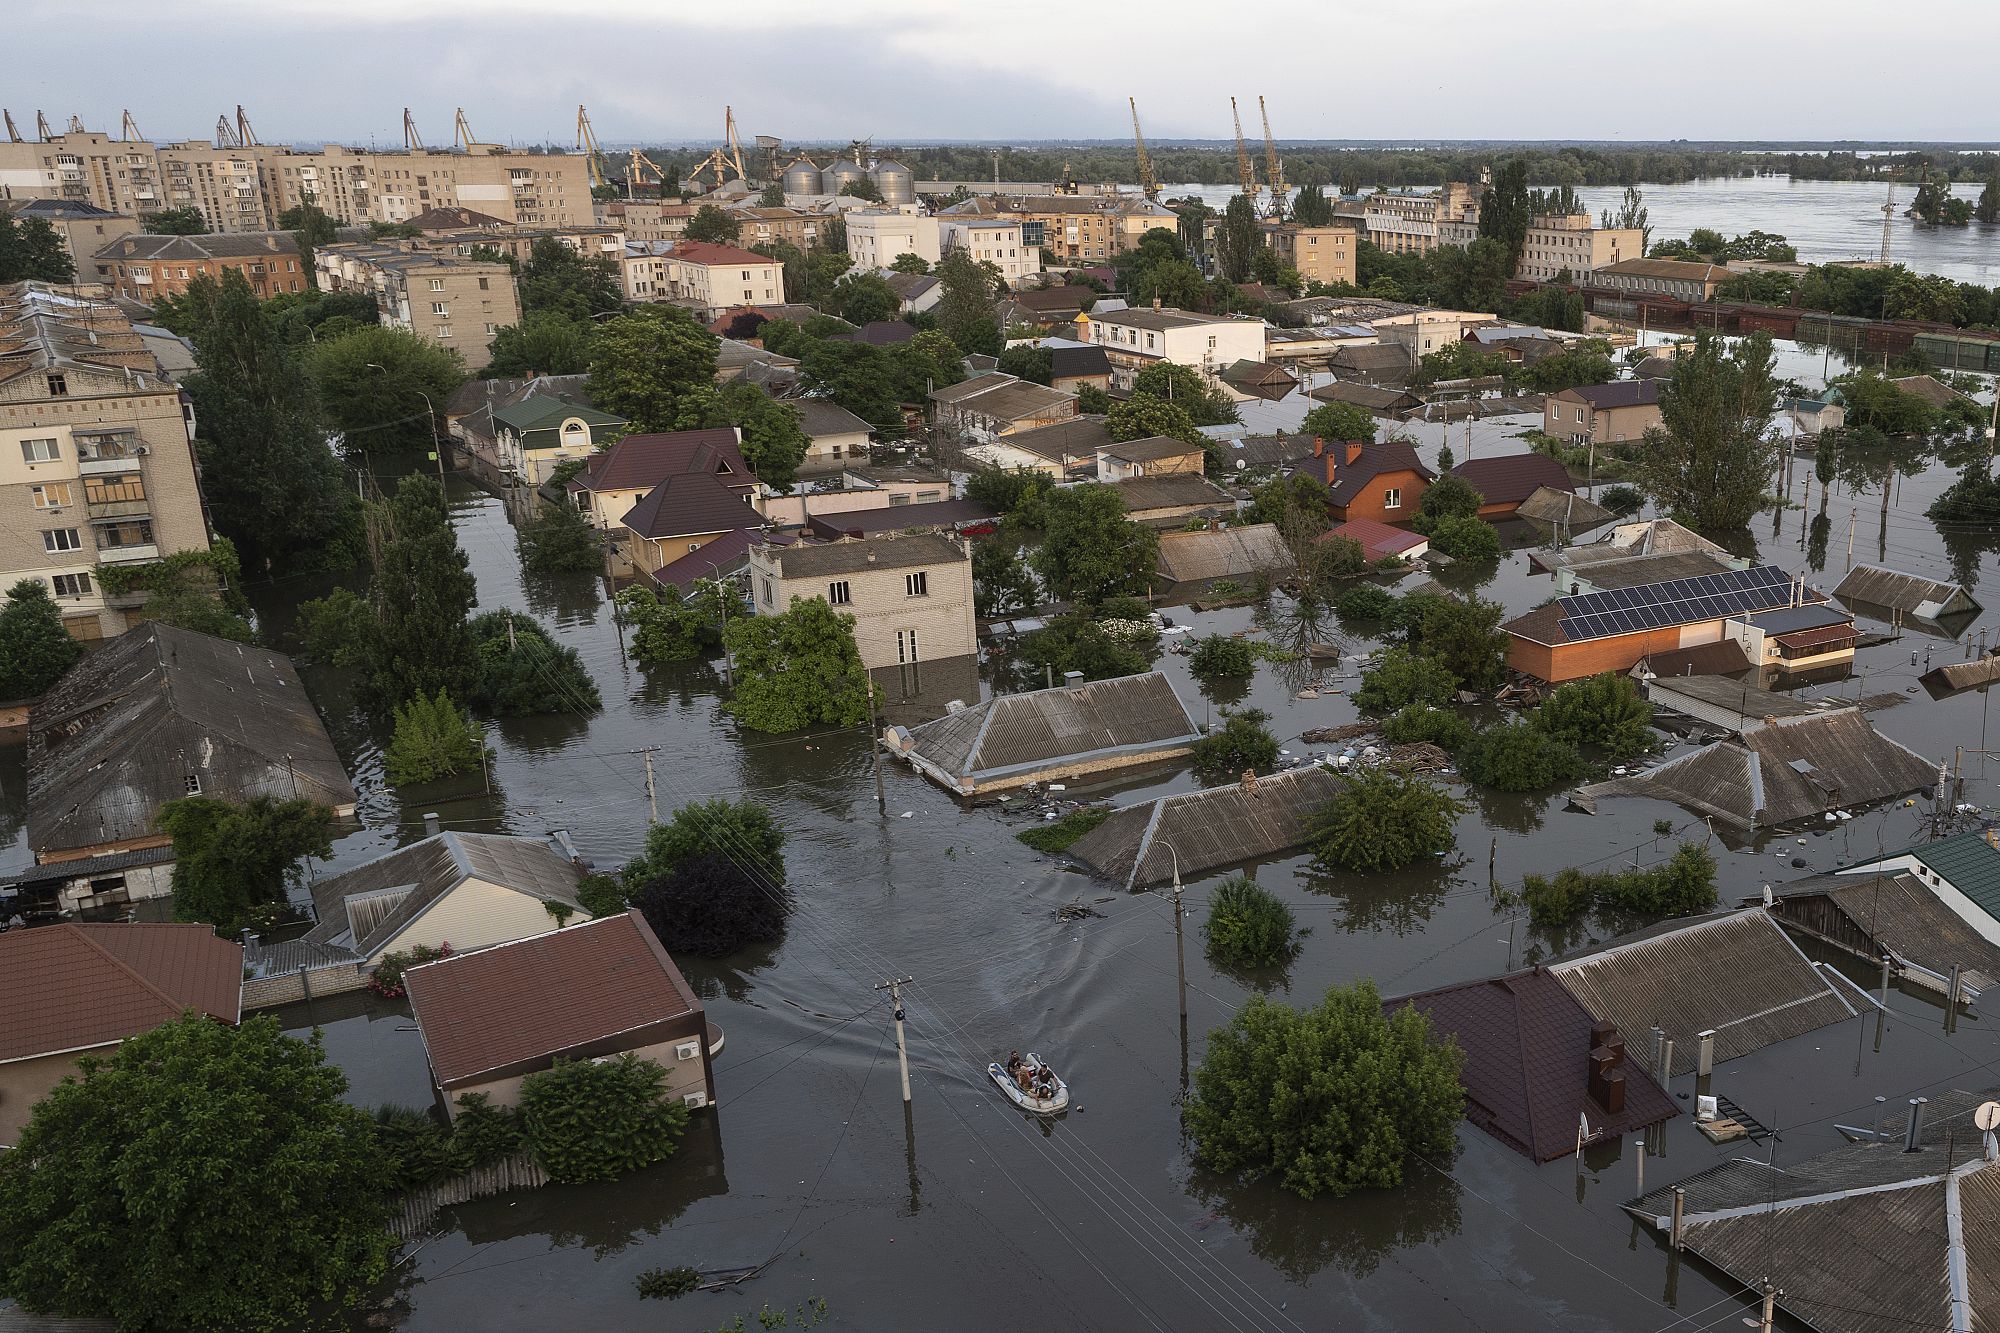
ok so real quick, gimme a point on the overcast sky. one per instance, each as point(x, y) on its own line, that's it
point(946, 69)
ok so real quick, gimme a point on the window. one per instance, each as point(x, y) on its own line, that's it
point(906, 645)
point(191, 784)
point(51, 496)
point(917, 584)
point(767, 591)
point(113, 490)
point(58, 386)
point(746, 275)
point(1392, 498)
point(1579, 416)
point(491, 328)
point(71, 585)
point(440, 308)
point(40, 451)
point(444, 331)
point(483, 285)
point(898, 500)
point(837, 593)
point(61, 539)
point(437, 284)
point(118, 536)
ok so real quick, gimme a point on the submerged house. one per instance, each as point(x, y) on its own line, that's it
point(1069, 731)
point(1896, 913)
point(1890, 594)
point(1199, 831)
point(1240, 553)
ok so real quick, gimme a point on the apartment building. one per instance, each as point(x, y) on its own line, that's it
point(649, 219)
point(117, 176)
point(84, 228)
point(910, 594)
point(717, 277)
point(97, 466)
point(144, 267)
point(518, 243)
point(453, 301)
point(1075, 229)
point(1135, 339)
point(996, 241)
point(876, 237)
point(1572, 242)
point(224, 184)
point(770, 226)
point(1320, 254)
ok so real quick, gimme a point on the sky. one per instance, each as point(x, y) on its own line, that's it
point(658, 71)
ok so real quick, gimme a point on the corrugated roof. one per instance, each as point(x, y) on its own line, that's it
point(1659, 567)
point(1912, 594)
point(820, 416)
point(1956, 677)
point(1377, 539)
point(1384, 401)
point(1561, 506)
point(80, 984)
point(1151, 449)
point(1901, 913)
point(145, 246)
point(1790, 619)
point(1023, 731)
point(1737, 974)
point(1080, 437)
point(1527, 1045)
point(1721, 658)
point(938, 515)
point(1969, 863)
point(364, 908)
point(1190, 557)
point(526, 1002)
point(1750, 702)
point(1219, 826)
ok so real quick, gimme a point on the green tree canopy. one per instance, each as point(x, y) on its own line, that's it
point(541, 344)
point(859, 376)
point(1339, 421)
point(1242, 742)
point(1206, 404)
point(1450, 496)
point(910, 263)
point(1400, 678)
point(32, 249)
point(231, 861)
point(1089, 549)
point(311, 227)
point(1708, 462)
point(423, 593)
point(560, 540)
point(1471, 541)
point(966, 312)
point(175, 222)
point(1384, 819)
point(1142, 416)
point(374, 382)
point(1248, 926)
point(655, 367)
point(1505, 212)
point(1464, 636)
point(522, 671)
point(673, 628)
point(1605, 710)
point(743, 829)
point(712, 224)
point(1330, 1100)
point(1519, 756)
point(926, 362)
point(1238, 239)
point(864, 298)
point(1081, 643)
point(796, 669)
point(774, 436)
point(600, 1119)
point(195, 1139)
point(35, 649)
point(433, 739)
point(559, 280)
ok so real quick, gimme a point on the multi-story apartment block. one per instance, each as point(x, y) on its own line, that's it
point(452, 301)
point(223, 183)
point(1556, 243)
point(910, 595)
point(96, 461)
point(1135, 339)
point(1075, 228)
point(95, 169)
point(996, 241)
point(875, 237)
point(717, 277)
point(649, 219)
point(84, 228)
point(1320, 254)
point(144, 267)
point(768, 226)
point(518, 243)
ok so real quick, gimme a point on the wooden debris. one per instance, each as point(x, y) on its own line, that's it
point(1334, 735)
point(1076, 911)
point(1721, 1130)
point(1422, 757)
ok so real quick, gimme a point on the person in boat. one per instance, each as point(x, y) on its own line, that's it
point(1024, 1078)
point(1013, 1062)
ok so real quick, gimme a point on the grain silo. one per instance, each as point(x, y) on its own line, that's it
point(802, 177)
point(839, 172)
point(896, 182)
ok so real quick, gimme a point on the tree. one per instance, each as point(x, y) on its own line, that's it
point(32, 249)
point(1623, 500)
point(674, 629)
point(1219, 657)
point(35, 649)
point(175, 222)
point(1473, 277)
point(541, 344)
point(1090, 550)
point(1450, 496)
point(858, 376)
point(743, 830)
point(1331, 1100)
point(311, 227)
point(1471, 541)
point(230, 861)
point(926, 362)
point(1206, 404)
point(966, 312)
point(711, 224)
point(1339, 421)
point(1605, 710)
point(1400, 678)
point(1364, 601)
point(382, 385)
point(861, 187)
point(910, 263)
point(1519, 756)
point(655, 367)
point(433, 739)
point(1243, 743)
point(1026, 361)
point(1142, 416)
point(1426, 724)
point(1001, 581)
point(600, 1119)
point(1630, 214)
point(796, 669)
point(1683, 884)
point(773, 196)
point(1465, 637)
point(711, 905)
point(1175, 283)
point(1505, 212)
point(559, 280)
point(197, 1138)
point(1248, 926)
point(560, 540)
point(1988, 208)
point(1238, 239)
point(423, 593)
point(1311, 208)
point(864, 298)
point(522, 672)
point(1708, 462)
point(1567, 370)
point(1083, 644)
point(1385, 818)
point(774, 435)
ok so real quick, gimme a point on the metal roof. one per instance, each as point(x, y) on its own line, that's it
point(1911, 594)
point(1189, 557)
point(363, 909)
point(1220, 826)
point(1900, 913)
point(916, 550)
point(1792, 619)
point(1013, 733)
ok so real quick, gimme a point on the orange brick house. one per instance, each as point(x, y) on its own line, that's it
point(1384, 482)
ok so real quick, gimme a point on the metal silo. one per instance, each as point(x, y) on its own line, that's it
point(897, 183)
point(802, 177)
point(839, 172)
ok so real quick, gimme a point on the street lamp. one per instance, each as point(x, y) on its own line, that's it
point(430, 423)
point(1180, 962)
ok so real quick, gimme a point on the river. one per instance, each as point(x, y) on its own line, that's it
point(1826, 220)
point(956, 1212)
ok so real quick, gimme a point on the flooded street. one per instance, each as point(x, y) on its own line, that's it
point(953, 1212)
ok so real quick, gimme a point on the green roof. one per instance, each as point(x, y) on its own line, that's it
point(548, 412)
point(1969, 863)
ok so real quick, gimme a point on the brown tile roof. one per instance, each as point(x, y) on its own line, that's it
point(1618, 393)
point(1527, 1046)
point(81, 984)
point(687, 503)
point(453, 218)
point(516, 1006)
point(706, 252)
point(1345, 480)
point(1377, 539)
point(640, 461)
point(1512, 478)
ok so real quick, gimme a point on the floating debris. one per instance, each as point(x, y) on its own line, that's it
point(1076, 911)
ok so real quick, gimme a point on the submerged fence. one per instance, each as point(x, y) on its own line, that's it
point(417, 1211)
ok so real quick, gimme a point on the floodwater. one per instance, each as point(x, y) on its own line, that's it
point(958, 1212)
point(1826, 220)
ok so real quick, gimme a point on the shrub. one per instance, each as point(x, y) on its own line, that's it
point(1464, 637)
point(1471, 540)
point(1219, 657)
point(1364, 601)
point(667, 1284)
point(560, 540)
point(744, 829)
point(1623, 500)
point(709, 905)
point(1080, 643)
point(415, 1148)
point(1683, 884)
point(1243, 742)
point(1519, 756)
point(591, 1120)
point(1605, 710)
point(1124, 608)
point(1057, 834)
point(1248, 926)
point(1383, 819)
point(1415, 723)
point(387, 978)
point(522, 672)
point(35, 649)
point(674, 630)
point(484, 1133)
point(1448, 497)
point(1400, 678)
point(433, 739)
point(1329, 1100)
point(602, 895)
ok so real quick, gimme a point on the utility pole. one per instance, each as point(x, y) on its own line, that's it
point(652, 797)
point(1770, 1301)
point(875, 752)
point(895, 989)
point(1850, 536)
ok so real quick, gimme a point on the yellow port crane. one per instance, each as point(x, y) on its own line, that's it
point(42, 130)
point(13, 135)
point(1246, 175)
point(462, 136)
point(1149, 185)
point(129, 130)
point(634, 176)
point(586, 143)
point(245, 136)
point(411, 139)
point(726, 158)
point(1274, 167)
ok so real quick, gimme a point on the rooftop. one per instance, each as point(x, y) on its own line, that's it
point(1378, 540)
point(1170, 490)
point(708, 253)
point(1648, 606)
point(76, 985)
point(145, 246)
point(901, 518)
point(1618, 393)
point(1232, 552)
point(1150, 450)
point(685, 504)
point(1218, 826)
point(1512, 478)
point(1910, 594)
point(1011, 733)
point(1161, 320)
point(916, 550)
point(638, 462)
point(1080, 437)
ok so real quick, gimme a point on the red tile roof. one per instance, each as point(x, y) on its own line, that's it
point(1377, 539)
point(707, 252)
point(82, 984)
point(1512, 478)
point(521, 1004)
point(690, 503)
point(639, 461)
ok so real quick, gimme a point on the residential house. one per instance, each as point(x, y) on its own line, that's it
point(1380, 364)
point(1931, 389)
point(1962, 872)
point(1418, 333)
point(1379, 541)
point(681, 514)
point(1876, 589)
point(1195, 833)
point(463, 890)
point(617, 478)
point(1651, 551)
point(1384, 481)
point(910, 594)
point(158, 714)
point(856, 485)
point(456, 302)
point(711, 278)
point(1504, 481)
point(97, 465)
point(1172, 498)
point(1807, 416)
point(1061, 450)
point(468, 415)
point(877, 237)
point(1259, 381)
point(916, 293)
point(145, 267)
point(738, 360)
point(1388, 404)
point(1792, 639)
point(1735, 706)
point(539, 433)
point(965, 517)
point(1684, 280)
point(1155, 456)
point(1135, 339)
point(995, 405)
point(1064, 733)
point(1072, 367)
point(595, 991)
point(1603, 413)
point(84, 227)
point(835, 436)
point(1187, 559)
point(1907, 912)
point(78, 989)
point(997, 241)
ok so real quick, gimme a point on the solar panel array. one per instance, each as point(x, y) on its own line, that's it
point(1600, 615)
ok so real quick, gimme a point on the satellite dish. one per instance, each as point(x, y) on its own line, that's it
point(1987, 1117)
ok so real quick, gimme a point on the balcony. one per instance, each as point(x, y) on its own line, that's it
point(128, 555)
point(140, 508)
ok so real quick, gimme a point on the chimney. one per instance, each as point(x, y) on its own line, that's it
point(1156, 303)
point(1354, 448)
point(1319, 447)
point(1607, 1072)
point(431, 825)
point(1913, 1136)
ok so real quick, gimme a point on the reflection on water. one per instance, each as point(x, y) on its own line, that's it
point(1399, 902)
point(1301, 1237)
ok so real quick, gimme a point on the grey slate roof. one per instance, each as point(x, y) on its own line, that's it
point(393, 890)
point(1190, 557)
point(1151, 449)
point(1736, 973)
point(1077, 438)
point(1968, 862)
point(1220, 826)
point(1562, 507)
point(1013, 733)
point(821, 416)
point(125, 729)
point(1171, 490)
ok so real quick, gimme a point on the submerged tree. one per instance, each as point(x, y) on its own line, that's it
point(1708, 463)
point(232, 863)
point(797, 669)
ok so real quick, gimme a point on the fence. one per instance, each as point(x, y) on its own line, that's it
point(416, 1211)
point(305, 983)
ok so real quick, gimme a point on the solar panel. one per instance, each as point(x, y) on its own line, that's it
point(1597, 615)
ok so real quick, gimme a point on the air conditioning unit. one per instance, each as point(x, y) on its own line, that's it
point(141, 450)
point(688, 1050)
point(694, 1101)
